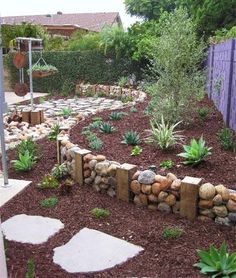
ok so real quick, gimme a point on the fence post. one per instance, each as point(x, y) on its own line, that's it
point(230, 81)
point(189, 197)
point(124, 176)
point(212, 57)
point(79, 165)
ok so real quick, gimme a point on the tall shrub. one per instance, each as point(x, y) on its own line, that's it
point(176, 58)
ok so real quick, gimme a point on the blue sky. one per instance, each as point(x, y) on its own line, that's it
point(32, 7)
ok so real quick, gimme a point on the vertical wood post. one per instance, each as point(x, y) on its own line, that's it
point(41, 116)
point(79, 165)
point(35, 117)
point(189, 197)
point(59, 139)
point(211, 70)
point(124, 175)
point(26, 116)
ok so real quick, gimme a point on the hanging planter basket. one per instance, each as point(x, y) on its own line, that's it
point(42, 70)
point(19, 60)
point(21, 89)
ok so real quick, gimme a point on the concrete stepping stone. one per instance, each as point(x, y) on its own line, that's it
point(91, 250)
point(30, 229)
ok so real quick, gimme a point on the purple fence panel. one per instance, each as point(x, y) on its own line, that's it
point(221, 84)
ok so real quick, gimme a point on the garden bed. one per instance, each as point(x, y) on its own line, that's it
point(162, 257)
point(218, 168)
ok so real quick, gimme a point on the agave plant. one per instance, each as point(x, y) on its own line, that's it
point(131, 138)
point(164, 134)
point(115, 116)
point(106, 128)
point(196, 152)
point(217, 263)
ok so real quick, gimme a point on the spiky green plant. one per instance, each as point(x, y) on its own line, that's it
point(131, 138)
point(55, 130)
point(106, 128)
point(100, 212)
point(115, 116)
point(226, 139)
point(96, 144)
point(217, 263)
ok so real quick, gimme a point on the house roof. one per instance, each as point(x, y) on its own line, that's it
point(89, 21)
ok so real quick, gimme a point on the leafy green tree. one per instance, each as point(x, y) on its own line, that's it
point(81, 41)
point(55, 44)
point(148, 9)
point(211, 15)
point(176, 57)
point(10, 32)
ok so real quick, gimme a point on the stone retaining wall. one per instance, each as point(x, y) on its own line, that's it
point(110, 91)
point(188, 197)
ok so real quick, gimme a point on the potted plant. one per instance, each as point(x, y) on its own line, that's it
point(43, 70)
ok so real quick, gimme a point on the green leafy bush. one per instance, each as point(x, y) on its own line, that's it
point(196, 152)
point(48, 181)
point(133, 109)
point(177, 81)
point(59, 171)
point(136, 151)
point(49, 202)
point(131, 138)
point(163, 134)
point(115, 116)
point(24, 163)
point(100, 213)
point(172, 232)
point(226, 139)
point(106, 128)
point(30, 269)
point(55, 130)
point(95, 124)
point(167, 164)
point(123, 81)
point(217, 263)
point(203, 113)
point(96, 144)
point(66, 112)
point(27, 145)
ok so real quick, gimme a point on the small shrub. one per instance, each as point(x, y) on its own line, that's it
point(203, 112)
point(226, 139)
point(115, 116)
point(55, 130)
point(217, 263)
point(136, 151)
point(49, 202)
point(123, 81)
point(196, 152)
point(100, 213)
point(95, 125)
point(133, 109)
point(27, 145)
point(126, 99)
point(96, 144)
point(66, 112)
point(59, 171)
point(67, 88)
point(106, 128)
point(167, 164)
point(172, 232)
point(24, 163)
point(131, 138)
point(30, 269)
point(164, 134)
point(48, 181)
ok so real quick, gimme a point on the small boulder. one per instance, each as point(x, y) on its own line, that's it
point(159, 178)
point(162, 196)
point(152, 207)
point(204, 218)
point(207, 191)
point(176, 184)
point(156, 188)
point(222, 220)
point(207, 212)
point(146, 188)
point(152, 198)
point(135, 187)
point(220, 211)
point(97, 180)
point(205, 204)
point(87, 173)
point(163, 207)
point(112, 170)
point(232, 196)
point(111, 192)
point(231, 206)
point(143, 199)
point(112, 182)
point(102, 168)
point(232, 217)
point(92, 163)
point(165, 184)
point(100, 158)
point(170, 200)
point(176, 207)
point(88, 157)
point(223, 191)
point(171, 177)
point(135, 175)
point(146, 177)
point(217, 200)
point(137, 201)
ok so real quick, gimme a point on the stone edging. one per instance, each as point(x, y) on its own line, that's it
point(188, 197)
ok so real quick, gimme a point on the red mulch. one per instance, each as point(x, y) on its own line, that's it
point(161, 257)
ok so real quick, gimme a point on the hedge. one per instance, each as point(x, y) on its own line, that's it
point(73, 67)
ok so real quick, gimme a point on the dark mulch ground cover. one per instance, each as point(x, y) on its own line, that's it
point(220, 167)
point(161, 257)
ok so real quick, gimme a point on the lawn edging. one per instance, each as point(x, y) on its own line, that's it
point(188, 197)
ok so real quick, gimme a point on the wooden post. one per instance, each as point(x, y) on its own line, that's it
point(35, 117)
point(124, 175)
point(59, 139)
point(79, 165)
point(189, 192)
point(41, 116)
point(26, 116)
